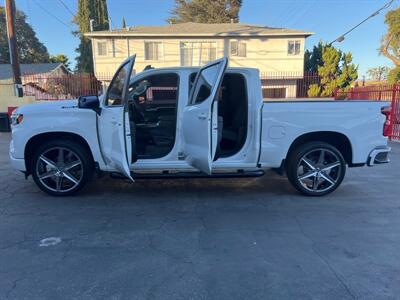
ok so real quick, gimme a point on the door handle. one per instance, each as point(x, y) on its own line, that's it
point(202, 117)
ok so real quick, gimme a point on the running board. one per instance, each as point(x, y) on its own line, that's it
point(239, 174)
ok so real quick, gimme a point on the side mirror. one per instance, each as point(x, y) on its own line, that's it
point(90, 102)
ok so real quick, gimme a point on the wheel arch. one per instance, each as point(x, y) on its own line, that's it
point(336, 139)
point(36, 140)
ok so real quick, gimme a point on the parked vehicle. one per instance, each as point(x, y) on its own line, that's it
point(194, 122)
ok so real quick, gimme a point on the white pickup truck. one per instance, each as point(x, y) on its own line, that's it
point(194, 122)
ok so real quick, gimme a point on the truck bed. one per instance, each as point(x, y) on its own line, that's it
point(283, 121)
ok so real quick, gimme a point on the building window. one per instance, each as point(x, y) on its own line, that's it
point(294, 47)
point(274, 93)
point(101, 48)
point(238, 49)
point(198, 53)
point(153, 51)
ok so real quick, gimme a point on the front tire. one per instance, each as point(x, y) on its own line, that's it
point(315, 168)
point(61, 167)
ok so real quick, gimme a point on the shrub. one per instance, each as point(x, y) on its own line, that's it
point(314, 90)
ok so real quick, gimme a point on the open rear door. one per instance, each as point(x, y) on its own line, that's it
point(113, 122)
point(200, 117)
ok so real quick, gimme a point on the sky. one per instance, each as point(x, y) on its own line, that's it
point(328, 19)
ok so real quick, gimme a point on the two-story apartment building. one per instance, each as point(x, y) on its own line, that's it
point(270, 50)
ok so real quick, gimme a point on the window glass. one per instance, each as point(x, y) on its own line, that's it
point(238, 49)
point(116, 89)
point(207, 79)
point(187, 56)
point(198, 53)
point(101, 48)
point(192, 78)
point(242, 50)
point(152, 50)
point(234, 48)
point(297, 47)
point(294, 47)
point(290, 47)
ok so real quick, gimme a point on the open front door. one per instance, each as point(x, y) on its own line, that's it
point(200, 117)
point(113, 122)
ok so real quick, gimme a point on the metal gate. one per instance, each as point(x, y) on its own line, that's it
point(390, 93)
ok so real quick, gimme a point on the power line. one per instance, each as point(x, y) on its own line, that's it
point(67, 8)
point(29, 14)
point(341, 37)
point(302, 13)
point(51, 14)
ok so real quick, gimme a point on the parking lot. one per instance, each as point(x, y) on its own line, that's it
point(200, 239)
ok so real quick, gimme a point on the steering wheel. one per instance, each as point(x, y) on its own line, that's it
point(139, 90)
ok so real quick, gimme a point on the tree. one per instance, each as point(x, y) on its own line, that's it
point(313, 59)
point(123, 23)
point(394, 75)
point(30, 49)
point(60, 58)
point(205, 11)
point(87, 10)
point(390, 44)
point(336, 71)
point(378, 73)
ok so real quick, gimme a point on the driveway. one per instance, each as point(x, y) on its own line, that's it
point(201, 239)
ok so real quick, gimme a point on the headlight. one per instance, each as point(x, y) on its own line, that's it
point(16, 118)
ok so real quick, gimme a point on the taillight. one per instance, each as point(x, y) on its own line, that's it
point(386, 110)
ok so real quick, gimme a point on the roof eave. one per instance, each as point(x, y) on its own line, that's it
point(132, 34)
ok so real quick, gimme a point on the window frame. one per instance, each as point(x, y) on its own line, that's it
point(124, 89)
point(161, 51)
point(201, 63)
point(295, 43)
point(98, 48)
point(192, 99)
point(237, 52)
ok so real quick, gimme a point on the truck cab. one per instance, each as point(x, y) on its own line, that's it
point(181, 119)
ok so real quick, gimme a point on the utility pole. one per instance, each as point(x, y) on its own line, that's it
point(12, 44)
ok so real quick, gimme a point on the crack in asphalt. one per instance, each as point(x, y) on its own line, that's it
point(29, 274)
point(325, 261)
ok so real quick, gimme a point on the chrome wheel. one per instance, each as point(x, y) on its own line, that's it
point(319, 170)
point(59, 169)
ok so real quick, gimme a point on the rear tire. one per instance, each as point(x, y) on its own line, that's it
point(61, 167)
point(315, 168)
